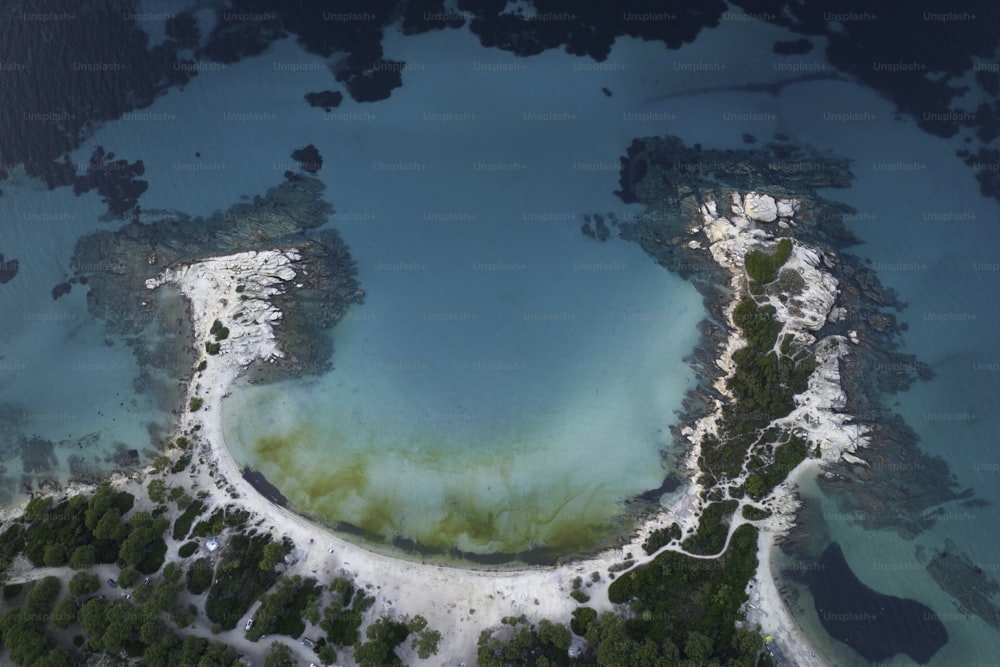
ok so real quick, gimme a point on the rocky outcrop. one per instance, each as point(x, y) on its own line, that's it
point(235, 290)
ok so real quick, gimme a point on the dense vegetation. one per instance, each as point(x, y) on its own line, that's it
point(764, 384)
point(763, 267)
point(519, 643)
point(182, 526)
point(661, 537)
point(245, 573)
point(23, 630)
point(281, 610)
point(764, 477)
point(199, 576)
point(343, 616)
point(78, 531)
point(682, 608)
point(713, 528)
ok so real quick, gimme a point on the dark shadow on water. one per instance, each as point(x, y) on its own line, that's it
point(264, 487)
point(875, 625)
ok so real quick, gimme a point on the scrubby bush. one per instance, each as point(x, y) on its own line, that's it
point(182, 526)
point(582, 618)
point(763, 267)
point(187, 549)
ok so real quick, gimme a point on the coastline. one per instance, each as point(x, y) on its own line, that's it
point(238, 291)
point(815, 415)
point(461, 601)
point(440, 592)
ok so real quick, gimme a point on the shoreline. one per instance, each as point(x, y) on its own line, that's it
point(237, 291)
point(436, 590)
point(459, 600)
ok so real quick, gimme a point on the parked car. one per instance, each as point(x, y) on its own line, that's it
point(126, 595)
point(146, 580)
point(112, 583)
point(249, 625)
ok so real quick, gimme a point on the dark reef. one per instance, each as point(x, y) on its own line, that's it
point(875, 625)
point(327, 99)
point(289, 215)
point(117, 181)
point(8, 269)
point(308, 158)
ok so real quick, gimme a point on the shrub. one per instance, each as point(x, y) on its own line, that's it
point(182, 526)
point(187, 549)
point(182, 463)
point(157, 490)
point(712, 529)
point(582, 618)
point(195, 403)
point(763, 267)
point(579, 596)
point(219, 331)
point(751, 513)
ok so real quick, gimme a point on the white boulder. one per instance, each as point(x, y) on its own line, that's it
point(761, 208)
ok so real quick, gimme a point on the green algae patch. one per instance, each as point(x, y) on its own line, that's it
point(437, 495)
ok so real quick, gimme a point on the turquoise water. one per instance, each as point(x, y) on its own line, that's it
point(63, 378)
point(508, 382)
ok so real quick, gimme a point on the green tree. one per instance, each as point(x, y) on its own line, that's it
point(755, 486)
point(199, 576)
point(98, 505)
point(427, 642)
point(157, 489)
point(83, 583)
point(145, 532)
point(555, 634)
point(110, 527)
point(274, 552)
point(327, 654)
point(82, 557)
point(92, 617)
point(54, 556)
point(127, 577)
point(172, 572)
point(384, 635)
point(192, 650)
point(698, 647)
point(279, 656)
point(37, 508)
point(64, 614)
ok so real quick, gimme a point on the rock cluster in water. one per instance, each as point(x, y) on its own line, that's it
point(287, 216)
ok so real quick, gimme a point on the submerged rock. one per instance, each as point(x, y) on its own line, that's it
point(287, 216)
point(875, 625)
point(8, 269)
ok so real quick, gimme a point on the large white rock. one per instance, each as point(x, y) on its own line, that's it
point(787, 208)
point(761, 208)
